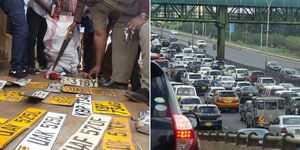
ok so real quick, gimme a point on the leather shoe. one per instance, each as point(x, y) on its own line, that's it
point(115, 85)
point(139, 96)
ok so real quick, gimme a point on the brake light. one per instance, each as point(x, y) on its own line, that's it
point(284, 130)
point(261, 119)
point(184, 133)
point(219, 116)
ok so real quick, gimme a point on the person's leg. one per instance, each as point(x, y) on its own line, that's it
point(16, 13)
point(41, 57)
point(135, 76)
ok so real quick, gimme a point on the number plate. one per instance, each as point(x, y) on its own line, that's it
point(89, 134)
point(79, 82)
point(38, 85)
point(250, 94)
point(208, 124)
point(22, 82)
point(77, 90)
point(118, 135)
point(297, 130)
point(44, 135)
point(54, 87)
point(102, 92)
point(228, 101)
point(2, 84)
point(61, 100)
point(28, 117)
point(203, 87)
point(107, 107)
point(39, 94)
point(13, 96)
point(8, 132)
point(2, 120)
point(83, 106)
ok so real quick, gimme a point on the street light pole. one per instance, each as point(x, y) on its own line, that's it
point(269, 2)
point(261, 35)
point(193, 31)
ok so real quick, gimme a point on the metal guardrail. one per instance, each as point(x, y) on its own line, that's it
point(213, 140)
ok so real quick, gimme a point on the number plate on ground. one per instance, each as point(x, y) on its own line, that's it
point(79, 82)
point(78, 90)
point(297, 130)
point(107, 107)
point(28, 117)
point(22, 82)
point(83, 106)
point(89, 134)
point(8, 132)
point(54, 87)
point(102, 92)
point(3, 120)
point(2, 84)
point(44, 135)
point(208, 124)
point(39, 94)
point(118, 135)
point(38, 85)
point(61, 100)
point(13, 96)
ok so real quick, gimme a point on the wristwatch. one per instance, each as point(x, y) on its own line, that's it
point(144, 16)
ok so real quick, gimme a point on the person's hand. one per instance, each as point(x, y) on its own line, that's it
point(94, 72)
point(136, 23)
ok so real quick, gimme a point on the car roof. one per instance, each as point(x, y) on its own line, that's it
point(268, 98)
point(287, 116)
point(203, 105)
point(183, 86)
point(266, 78)
point(225, 91)
point(186, 97)
point(241, 69)
point(294, 88)
point(274, 87)
point(243, 82)
point(217, 87)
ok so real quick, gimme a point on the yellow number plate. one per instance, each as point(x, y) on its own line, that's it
point(102, 92)
point(78, 90)
point(62, 100)
point(38, 85)
point(208, 124)
point(8, 132)
point(107, 107)
point(2, 120)
point(118, 135)
point(228, 101)
point(28, 117)
point(14, 96)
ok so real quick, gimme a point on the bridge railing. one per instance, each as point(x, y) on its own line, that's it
point(236, 141)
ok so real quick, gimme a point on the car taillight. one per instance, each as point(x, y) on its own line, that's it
point(261, 119)
point(184, 133)
point(284, 130)
point(219, 116)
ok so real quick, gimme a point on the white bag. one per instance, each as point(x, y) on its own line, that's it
point(54, 37)
point(143, 123)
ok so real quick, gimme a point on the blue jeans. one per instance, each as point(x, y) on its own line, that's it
point(16, 13)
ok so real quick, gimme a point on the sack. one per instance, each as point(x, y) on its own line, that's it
point(143, 122)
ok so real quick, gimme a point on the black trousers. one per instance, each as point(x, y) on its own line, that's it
point(37, 28)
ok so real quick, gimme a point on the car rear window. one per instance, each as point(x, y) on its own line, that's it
point(190, 101)
point(291, 121)
point(195, 76)
point(260, 105)
point(244, 84)
point(214, 73)
point(268, 81)
point(186, 91)
point(208, 109)
point(271, 105)
point(231, 68)
point(242, 71)
point(227, 94)
point(258, 74)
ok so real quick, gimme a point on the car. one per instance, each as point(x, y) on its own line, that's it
point(295, 89)
point(264, 81)
point(201, 86)
point(289, 72)
point(169, 54)
point(163, 50)
point(244, 109)
point(204, 70)
point(173, 38)
point(226, 99)
point(254, 75)
point(177, 57)
point(190, 102)
point(270, 90)
point(165, 42)
point(201, 44)
point(207, 62)
point(286, 86)
point(209, 116)
point(246, 93)
point(187, 59)
point(211, 92)
point(155, 46)
point(229, 69)
point(282, 93)
point(175, 45)
point(167, 120)
point(259, 131)
point(294, 106)
point(184, 90)
point(226, 81)
point(240, 74)
point(218, 65)
point(189, 78)
point(237, 85)
point(199, 57)
point(173, 32)
point(273, 65)
point(285, 124)
point(213, 75)
point(188, 52)
point(195, 49)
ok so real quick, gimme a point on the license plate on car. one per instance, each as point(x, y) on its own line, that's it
point(250, 94)
point(297, 130)
point(203, 87)
point(208, 124)
point(228, 101)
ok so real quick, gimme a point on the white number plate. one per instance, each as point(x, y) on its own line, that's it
point(44, 135)
point(79, 82)
point(54, 87)
point(89, 134)
point(2, 84)
point(83, 106)
point(22, 82)
point(40, 94)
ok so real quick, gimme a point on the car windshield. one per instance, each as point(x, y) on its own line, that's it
point(260, 132)
point(268, 81)
point(250, 89)
point(271, 105)
point(244, 84)
point(190, 101)
point(291, 121)
point(204, 81)
point(207, 109)
point(207, 60)
point(291, 72)
point(196, 63)
point(179, 67)
point(186, 91)
point(188, 59)
point(195, 76)
point(205, 69)
point(274, 90)
point(220, 63)
point(231, 68)
point(227, 94)
point(296, 90)
point(258, 74)
point(273, 63)
point(180, 57)
point(242, 71)
point(200, 56)
point(215, 73)
point(187, 51)
point(228, 79)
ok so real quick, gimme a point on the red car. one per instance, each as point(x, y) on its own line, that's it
point(254, 75)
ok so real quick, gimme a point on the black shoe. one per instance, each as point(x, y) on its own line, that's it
point(32, 70)
point(139, 96)
point(18, 73)
point(115, 85)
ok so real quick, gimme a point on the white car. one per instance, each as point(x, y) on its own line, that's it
point(282, 92)
point(174, 32)
point(184, 90)
point(212, 91)
point(204, 70)
point(190, 102)
point(286, 124)
point(264, 81)
point(240, 74)
point(270, 90)
point(238, 85)
point(229, 69)
point(207, 62)
point(286, 85)
point(189, 78)
point(201, 43)
point(177, 57)
point(188, 52)
point(187, 59)
point(295, 89)
point(199, 57)
point(226, 81)
point(213, 75)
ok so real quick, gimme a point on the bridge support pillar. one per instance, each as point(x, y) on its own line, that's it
point(222, 17)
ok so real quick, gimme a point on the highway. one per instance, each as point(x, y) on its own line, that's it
point(252, 59)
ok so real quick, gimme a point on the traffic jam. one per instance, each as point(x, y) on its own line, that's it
point(71, 113)
point(202, 89)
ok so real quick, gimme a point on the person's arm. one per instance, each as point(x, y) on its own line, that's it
point(144, 6)
point(44, 5)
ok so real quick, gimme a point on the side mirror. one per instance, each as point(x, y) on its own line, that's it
point(271, 122)
point(193, 119)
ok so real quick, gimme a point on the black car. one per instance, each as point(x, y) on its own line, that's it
point(165, 42)
point(201, 86)
point(170, 129)
point(209, 116)
point(246, 93)
point(175, 45)
point(219, 65)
